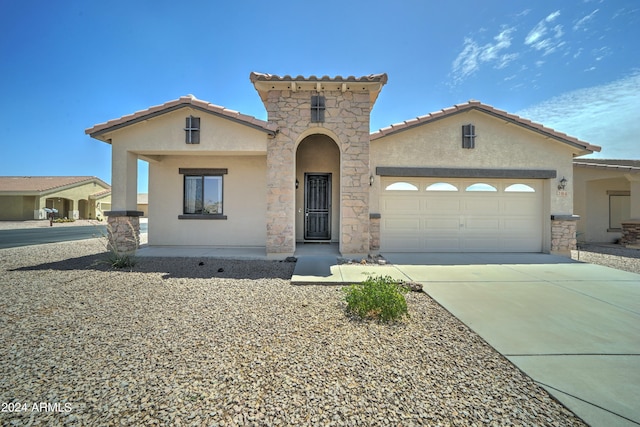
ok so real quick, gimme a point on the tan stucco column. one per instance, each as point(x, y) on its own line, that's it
point(38, 208)
point(124, 180)
point(123, 218)
point(634, 205)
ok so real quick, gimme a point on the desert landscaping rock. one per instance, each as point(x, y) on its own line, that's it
point(193, 342)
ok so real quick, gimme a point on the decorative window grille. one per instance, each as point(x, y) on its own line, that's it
point(468, 136)
point(192, 130)
point(317, 108)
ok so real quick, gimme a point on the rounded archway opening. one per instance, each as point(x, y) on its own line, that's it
point(318, 189)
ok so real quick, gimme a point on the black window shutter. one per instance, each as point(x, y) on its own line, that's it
point(468, 136)
point(195, 134)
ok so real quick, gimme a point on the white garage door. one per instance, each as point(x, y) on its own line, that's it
point(461, 215)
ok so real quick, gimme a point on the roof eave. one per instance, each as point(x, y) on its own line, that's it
point(99, 131)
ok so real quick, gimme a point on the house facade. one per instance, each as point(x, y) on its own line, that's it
point(75, 197)
point(470, 178)
point(607, 198)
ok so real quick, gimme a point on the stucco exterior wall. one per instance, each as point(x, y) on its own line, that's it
point(498, 145)
point(16, 208)
point(244, 203)
point(318, 153)
point(164, 135)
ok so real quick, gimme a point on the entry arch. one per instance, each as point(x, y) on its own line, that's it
point(318, 186)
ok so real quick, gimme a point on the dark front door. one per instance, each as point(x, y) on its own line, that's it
point(317, 206)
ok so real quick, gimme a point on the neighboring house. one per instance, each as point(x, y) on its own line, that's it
point(77, 197)
point(607, 198)
point(143, 204)
point(470, 178)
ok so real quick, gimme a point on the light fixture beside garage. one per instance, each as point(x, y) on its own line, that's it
point(562, 184)
point(371, 179)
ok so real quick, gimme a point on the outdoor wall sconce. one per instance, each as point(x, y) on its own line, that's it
point(297, 183)
point(562, 184)
point(371, 180)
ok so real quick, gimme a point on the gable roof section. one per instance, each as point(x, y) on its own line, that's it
point(629, 166)
point(45, 184)
point(182, 102)
point(488, 109)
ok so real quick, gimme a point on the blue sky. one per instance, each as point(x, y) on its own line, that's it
point(572, 65)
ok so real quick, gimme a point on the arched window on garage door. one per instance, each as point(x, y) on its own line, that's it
point(519, 188)
point(401, 186)
point(481, 186)
point(442, 186)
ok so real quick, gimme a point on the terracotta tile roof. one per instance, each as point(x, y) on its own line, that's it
point(184, 101)
point(371, 78)
point(43, 184)
point(100, 194)
point(632, 166)
point(477, 105)
point(264, 83)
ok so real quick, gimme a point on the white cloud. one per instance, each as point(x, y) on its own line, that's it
point(601, 53)
point(540, 38)
point(603, 115)
point(473, 55)
point(582, 23)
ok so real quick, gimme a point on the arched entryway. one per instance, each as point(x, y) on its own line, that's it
point(83, 208)
point(61, 205)
point(317, 189)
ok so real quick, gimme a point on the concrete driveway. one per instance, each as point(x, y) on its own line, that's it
point(572, 327)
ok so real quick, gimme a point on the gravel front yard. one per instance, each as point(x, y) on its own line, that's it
point(175, 342)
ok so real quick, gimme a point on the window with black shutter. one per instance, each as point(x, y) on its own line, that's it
point(192, 130)
point(468, 136)
point(317, 108)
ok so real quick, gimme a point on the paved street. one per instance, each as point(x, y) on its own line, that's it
point(57, 233)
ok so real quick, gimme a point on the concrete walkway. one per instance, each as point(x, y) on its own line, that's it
point(572, 327)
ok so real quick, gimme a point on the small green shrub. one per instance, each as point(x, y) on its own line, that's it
point(63, 220)
point(120, 260)
point(379, 298)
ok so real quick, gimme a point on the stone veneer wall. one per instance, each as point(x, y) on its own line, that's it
point(374, 231)
point(563, 236)
point(124, 233)
point(346, 117)
point(630, 232)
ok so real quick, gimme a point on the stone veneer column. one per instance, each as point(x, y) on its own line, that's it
point(347, 117)
point(374, 231)
point(281, 195)
point(352, 126)
point(630, 232)
point(563, 234)
point(123, 229)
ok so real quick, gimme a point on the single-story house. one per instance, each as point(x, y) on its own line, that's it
point(143, 204)
point(607, 198)
point(30, 197)
point(469, 178)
